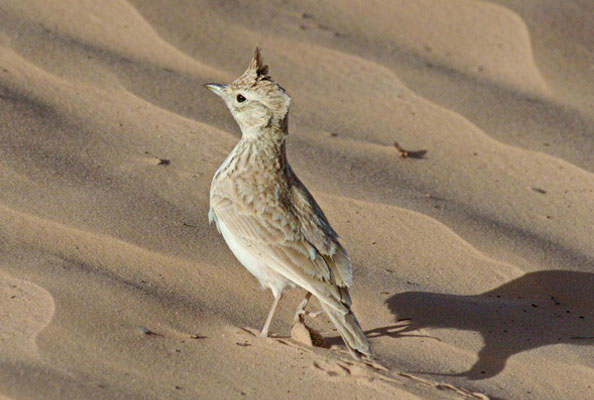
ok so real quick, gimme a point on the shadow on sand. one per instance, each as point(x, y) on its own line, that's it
point(537, 309)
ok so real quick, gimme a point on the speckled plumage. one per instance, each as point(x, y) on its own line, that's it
point(267, 216)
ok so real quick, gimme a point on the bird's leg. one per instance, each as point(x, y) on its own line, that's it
point(264, 332)
point(301, 309)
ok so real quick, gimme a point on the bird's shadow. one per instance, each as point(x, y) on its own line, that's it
point(538, 309)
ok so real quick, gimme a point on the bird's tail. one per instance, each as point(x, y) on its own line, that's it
point(349, 329)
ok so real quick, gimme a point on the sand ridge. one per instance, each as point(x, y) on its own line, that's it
point(26, 310)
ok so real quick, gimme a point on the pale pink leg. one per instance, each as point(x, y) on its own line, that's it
point(264, 332)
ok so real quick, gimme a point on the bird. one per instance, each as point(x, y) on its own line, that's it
point(266, 215)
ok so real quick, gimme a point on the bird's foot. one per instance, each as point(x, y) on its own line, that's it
point(315, 314)
point(300, 315)
point(264, 333)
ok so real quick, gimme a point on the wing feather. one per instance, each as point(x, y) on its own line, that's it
point(270, 240)
point(317, 231)
point(295, 240)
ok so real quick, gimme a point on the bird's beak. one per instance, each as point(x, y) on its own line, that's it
point(216, 88)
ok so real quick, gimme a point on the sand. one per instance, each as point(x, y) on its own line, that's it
point(473, 257)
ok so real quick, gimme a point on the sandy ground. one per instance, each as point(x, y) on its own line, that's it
point(473, 257)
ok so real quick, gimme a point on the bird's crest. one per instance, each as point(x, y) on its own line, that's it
point(256, 72)
point(257, 65)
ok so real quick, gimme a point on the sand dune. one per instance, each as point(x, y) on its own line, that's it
point(473, 259)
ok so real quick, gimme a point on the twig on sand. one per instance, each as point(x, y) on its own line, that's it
point(147, 331)
point(409, 154)
point(198, 337)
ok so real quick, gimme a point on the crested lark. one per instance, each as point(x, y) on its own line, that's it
point(270, 221)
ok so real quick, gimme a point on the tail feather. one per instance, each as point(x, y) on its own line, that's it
point(349, 329)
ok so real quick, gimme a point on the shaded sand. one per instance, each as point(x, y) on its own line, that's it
point(473, 261)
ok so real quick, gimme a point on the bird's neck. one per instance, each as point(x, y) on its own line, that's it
point(266, 150)
point(274, 128)
point(269, 138)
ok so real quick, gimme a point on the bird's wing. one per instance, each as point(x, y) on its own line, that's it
point(316, 229)
point(275, 237)
point(270, 232)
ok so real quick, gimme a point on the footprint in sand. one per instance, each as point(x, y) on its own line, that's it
point(25, 310)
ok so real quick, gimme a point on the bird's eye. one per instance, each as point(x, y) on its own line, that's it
point(240, 98)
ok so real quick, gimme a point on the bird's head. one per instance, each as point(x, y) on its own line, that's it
point(254, 99)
